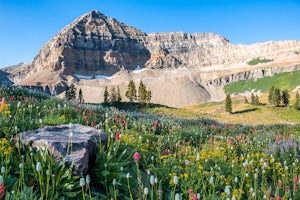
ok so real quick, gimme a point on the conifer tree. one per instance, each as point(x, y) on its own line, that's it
point(142, 92)
point(71, 92)
point(297, 101)
point(113, 95)
point(80, 96)
point(106, 94)
point(131, 91)
point(277, 97)
point(149, 96)
point(119, 98)
point(246, 100)
point(228, 104)
point(271, 95)
point(256, 100)
point(285, 97)
point(252, 99)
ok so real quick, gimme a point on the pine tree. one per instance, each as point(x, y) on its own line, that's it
point(80, 96)
point(131, 91)
point(71, 92)
point(106, 94)
point(119, 98)
point(252, 99)
point(297, 101)
point(246, 100)
point(142, 92)
point(256, 101)
point(149, 96)
point(271, 95)
point(285, 97)
point(277, 97)
point(113, 95)
point(228, 104)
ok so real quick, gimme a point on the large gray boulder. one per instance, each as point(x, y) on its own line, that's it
point(74, 143)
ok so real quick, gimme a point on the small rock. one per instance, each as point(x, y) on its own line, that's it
point(75, 144)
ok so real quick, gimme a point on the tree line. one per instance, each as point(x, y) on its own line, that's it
point(142, 95)
point(276, 97)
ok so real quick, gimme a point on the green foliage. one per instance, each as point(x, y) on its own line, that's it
point(287, 80)
point(297, 101)
point(131, 91)
point(271, 95)
point(277, 97)
point(285, 97)
point(113, 95)
point(106, 94)
point(254, 99)
point(144, 95)
point(80, 96)
point(228, 104)
point(256, 61)
point(119, 98)
point(70, 92)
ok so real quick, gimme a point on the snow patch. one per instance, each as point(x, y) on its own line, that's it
point(92, 77)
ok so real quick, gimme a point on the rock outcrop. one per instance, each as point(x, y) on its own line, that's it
point(75, 144)
point(179, 64)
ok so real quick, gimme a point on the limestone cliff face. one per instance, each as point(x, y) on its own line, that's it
point(93, 43)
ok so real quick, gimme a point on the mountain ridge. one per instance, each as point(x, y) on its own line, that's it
point(94, 44)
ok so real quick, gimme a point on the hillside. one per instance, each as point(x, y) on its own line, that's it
point(286, 80)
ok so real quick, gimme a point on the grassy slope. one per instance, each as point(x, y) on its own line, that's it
point(242, 113)
point(288, 80)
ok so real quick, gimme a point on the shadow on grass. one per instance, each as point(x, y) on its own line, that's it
point(245, 111)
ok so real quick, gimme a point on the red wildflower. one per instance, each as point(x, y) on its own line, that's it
point(296, 179)
point(136, 156)
point(117, 135)
point(2, 191)
point(280, 183)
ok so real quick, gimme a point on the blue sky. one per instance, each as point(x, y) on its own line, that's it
point(26, 25)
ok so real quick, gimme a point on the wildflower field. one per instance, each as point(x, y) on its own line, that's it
point(147, 156)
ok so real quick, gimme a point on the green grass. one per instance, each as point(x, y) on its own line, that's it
point(287, 80)
point(256, 61)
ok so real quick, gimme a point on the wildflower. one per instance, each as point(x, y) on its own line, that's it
point(211, 180)
point(82, 182)
point(236, 179)
point(38, 166)
point(175, 180)
point(156, 180)
point(280, 183)
point(2, 188)
point(195, 197)
point(128, 175)
point(136, 156)
point(21, 165)
point(152, 180)
point(152, 158)
point(190, 191)
point(278, 197)
point(198, 156)
point(88, 179)
point(114, 181)
point(2, 170)
point(227, 190)
point(118, 135)
point(146, 191)
point(177, 196)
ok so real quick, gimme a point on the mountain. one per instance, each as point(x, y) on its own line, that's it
point(179, 68)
